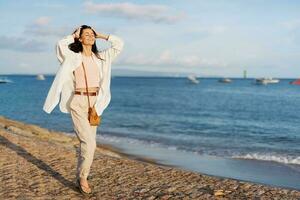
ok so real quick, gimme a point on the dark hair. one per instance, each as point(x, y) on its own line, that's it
point(76, 46)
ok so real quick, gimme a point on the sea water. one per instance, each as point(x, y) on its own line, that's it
point(238, 130)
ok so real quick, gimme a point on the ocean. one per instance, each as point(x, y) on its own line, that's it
point(238, 130)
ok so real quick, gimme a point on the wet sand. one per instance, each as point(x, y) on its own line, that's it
point(36, 163)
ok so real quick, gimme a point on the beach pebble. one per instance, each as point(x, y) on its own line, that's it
point(219, 193)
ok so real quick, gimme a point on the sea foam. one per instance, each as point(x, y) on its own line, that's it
point(271, 157)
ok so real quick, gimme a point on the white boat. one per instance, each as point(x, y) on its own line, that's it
point(40, 77)
point(265, 81)
point(193, 79)
point(4, 80)
point(225, 80)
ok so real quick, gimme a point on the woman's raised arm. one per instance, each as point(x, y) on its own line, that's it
point(117, 45)
point(62, 47)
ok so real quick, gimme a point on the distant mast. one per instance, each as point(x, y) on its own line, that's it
point(245, 74)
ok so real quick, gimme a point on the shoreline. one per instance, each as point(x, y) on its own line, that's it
point(162, 175)
point(248, 170)
point(152, 160)
point(123, 152)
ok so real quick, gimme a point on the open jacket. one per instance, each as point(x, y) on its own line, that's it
point(63, 85)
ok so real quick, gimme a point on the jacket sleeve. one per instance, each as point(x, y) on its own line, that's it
point(53, 95)
point(62, 47)
point(111, 53)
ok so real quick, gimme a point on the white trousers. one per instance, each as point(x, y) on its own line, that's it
point(86, 133)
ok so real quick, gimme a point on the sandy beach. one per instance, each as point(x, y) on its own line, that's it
point(36, 163)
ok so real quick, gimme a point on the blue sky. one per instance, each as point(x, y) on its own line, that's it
point(203, 37)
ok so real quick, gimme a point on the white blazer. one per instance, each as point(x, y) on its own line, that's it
point(63, 85)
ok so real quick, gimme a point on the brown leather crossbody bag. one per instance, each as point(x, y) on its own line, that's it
point(93, 117)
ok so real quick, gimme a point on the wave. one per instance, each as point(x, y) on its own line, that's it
point(272, 157)
point(269, 157)
point(134, 141)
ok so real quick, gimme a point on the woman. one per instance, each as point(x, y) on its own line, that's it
point(75, 52)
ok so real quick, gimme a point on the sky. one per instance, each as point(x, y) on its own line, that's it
point(201, 37)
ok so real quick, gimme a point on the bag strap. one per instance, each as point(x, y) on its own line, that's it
point(87, 91)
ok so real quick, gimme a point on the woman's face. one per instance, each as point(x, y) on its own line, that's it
point(87, 37)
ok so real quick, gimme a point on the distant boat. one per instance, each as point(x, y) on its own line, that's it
point(296, 82)
point(265, 81)
point(193, 79)
point(4, 80)
point(225, 80)
point(40, 77)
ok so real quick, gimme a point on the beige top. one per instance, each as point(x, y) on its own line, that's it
point(92, 73)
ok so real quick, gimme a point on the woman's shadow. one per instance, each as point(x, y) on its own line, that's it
point(39, 163)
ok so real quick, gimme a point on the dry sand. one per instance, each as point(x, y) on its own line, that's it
point(36, 163)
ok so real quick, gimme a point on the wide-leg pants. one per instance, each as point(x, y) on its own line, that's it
point(86, 133)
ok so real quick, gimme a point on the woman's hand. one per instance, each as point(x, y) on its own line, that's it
point(76, 33)
point(101, 35)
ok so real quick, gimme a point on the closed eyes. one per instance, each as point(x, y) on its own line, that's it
point(92, 35)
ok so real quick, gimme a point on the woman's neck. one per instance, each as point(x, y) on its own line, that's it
point(87, 50)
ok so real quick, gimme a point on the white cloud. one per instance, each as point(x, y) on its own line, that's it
point(167, 59)
point(165, 56)
point(49, 5)
point(42, 27)
point(155, 13)
point(46, 31)
point(42, 21)
point(22, 44)
point(211, 30)
point(292, 24)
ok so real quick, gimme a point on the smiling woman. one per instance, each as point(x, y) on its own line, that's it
point(82, 83)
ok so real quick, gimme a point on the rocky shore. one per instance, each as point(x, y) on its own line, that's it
point(36, 163)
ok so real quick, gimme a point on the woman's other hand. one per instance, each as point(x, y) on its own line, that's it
point(76, 33)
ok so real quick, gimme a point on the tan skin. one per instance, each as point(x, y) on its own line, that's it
point(87, 39)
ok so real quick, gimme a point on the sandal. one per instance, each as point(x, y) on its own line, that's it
point(83, 189)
